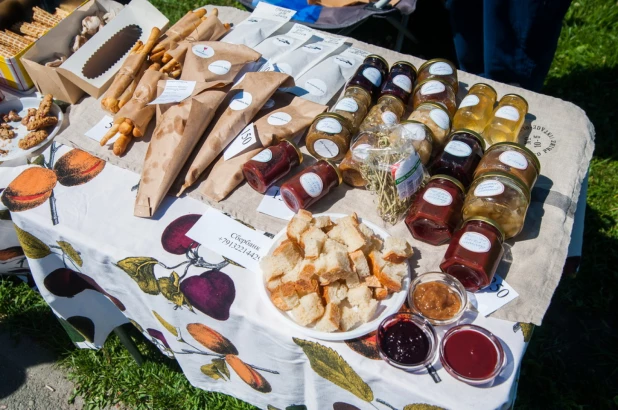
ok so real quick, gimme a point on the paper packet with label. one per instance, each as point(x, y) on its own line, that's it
point(285, 116)
point(264, 21)
point(289, 37)
point(243, 101)
point(214, 60)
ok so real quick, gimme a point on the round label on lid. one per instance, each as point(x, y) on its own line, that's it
point(282, 41)
point(438, 197)
point(329, 125)
point(475, 242)
point(313, 48)
point(508, 113)
point(373, 75)
point(469, 101)
point(440, 118)
point(315, 86)
point(432, 87)
point(241, 101)
point(489, 188)
point(203, 51)
point(326, 148)
point(458, 148)
point(312, 184)
point(263, 156)
point(347, 104)
point(514, 159)
point(416, 131)
point(403, 82)
point(279, 118)
point(389, 118)
point(361, 152)
point(220, 67)
point(440, 68)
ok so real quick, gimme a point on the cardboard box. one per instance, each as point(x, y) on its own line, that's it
point(13, 74)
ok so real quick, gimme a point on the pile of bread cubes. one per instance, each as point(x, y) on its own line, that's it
point(333, 274)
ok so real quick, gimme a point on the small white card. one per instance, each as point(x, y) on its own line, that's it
point(98, 131)
point(244, 142)
point(494, 296)
point(235, 241)
point(273, 205)
point(175, 91)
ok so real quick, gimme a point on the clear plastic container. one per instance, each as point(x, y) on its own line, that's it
point(507, 120)
point(475, 109)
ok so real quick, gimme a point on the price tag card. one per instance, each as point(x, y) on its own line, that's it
point(175, 91)
point(235, 241)
point(244, 142)
point(98, 131)
point(494, 296)
point(273, 205)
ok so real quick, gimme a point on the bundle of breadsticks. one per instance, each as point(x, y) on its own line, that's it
point(12, 42)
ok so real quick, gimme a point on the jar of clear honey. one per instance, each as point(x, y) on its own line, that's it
point(475, 109)
point(507, 120)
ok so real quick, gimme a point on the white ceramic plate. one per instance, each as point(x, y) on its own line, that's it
point(386, 307)
point(21, 107)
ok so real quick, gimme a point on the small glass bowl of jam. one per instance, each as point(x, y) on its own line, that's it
point(513, 159)
point(472, 354)
point(407, 341)
point(400, 81)
point(438, 297)
point(436, 91)
point(370, 74)
point(310, 185)
point(329, 137)
point(439, 68)
point(460, 156)
point(269, 166)
point(437, 118)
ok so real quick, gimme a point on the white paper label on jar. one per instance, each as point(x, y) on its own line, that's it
point(458, 148)
point(441, 118)
point(514, 159)
point(282, 41)
point(432, 87)
point(475, 242)
point(263, 156)
point(408, 175)
point(203, 51)
point(416, 131)
point(241, 101)
point(508, 113)
point(329, 125)
point(313, 48)
point(279, 118)
point(469, 101)
point(389, 118)
point(373, 75)
point(438, 197)
point(220, 67)
point(326, 148)
point(403, 82)
point(270, 103)
point(489, 188)
point(347, 104)
point(440, 68)
point(361, 152)
point(315, 86)
point(312, 184)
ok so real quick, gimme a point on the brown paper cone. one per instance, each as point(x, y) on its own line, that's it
point(137, 109)
point(211, 29)
point(213, 60)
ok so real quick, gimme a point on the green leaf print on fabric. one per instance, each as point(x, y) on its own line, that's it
point(70, 251)
point(141, 270)
point(33, 247)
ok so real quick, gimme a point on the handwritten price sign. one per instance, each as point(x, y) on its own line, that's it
point(494, 296)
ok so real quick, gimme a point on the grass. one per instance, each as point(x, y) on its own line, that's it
point(572, 361)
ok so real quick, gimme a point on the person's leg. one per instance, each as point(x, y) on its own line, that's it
point(466, 18)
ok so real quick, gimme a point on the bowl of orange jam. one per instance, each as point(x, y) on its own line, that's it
point(438, 297)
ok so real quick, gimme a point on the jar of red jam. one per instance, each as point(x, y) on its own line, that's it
point(460, 156)
point(370, 74)
point(310, 185)
point(400, 81)
point(272, 164)
point(439, 68)
point(436, 210)
point(474, 253)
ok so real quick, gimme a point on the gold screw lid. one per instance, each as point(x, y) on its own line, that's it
point(437, 60)
point(449, 178)
point(485, 85)
point(474, 134)
point(487, 221)
point(337, 170)
point(379, 58)
point(519, 96)
point(358, 88)
point(405, 63)
point(300, 154)
point(342, 120)
point(518, 147)
point(390, 96)
point(436, 105)
point(517, 181)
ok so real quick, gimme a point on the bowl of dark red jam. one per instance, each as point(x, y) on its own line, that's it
point(472, 354)
point(407, 341)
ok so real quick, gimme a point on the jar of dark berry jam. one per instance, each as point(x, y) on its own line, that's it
point(460, 156)
point(436, 210)
point(310, 185)
point(370, 74)
point(270, 165)
point(400, 81)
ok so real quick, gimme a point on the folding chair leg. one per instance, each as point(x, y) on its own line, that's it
point(403, 31)
point(129, 345)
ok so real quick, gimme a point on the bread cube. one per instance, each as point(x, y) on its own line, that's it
point(359, 264)
point(367, 310)
point(380, 293)
point(285, 297)
point(309, 309)
point(359, 295)
point(323, 222)
point(391, 275)
point(312, 241)
point(336, 292)
point(299, 224)
point(330, 320)
point(349, 318)
point(372, 281)
point(331, 245)
point(397, 250)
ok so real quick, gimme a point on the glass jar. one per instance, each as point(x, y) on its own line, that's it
point(387, 111)
point(353, 106)
point(270, 165)
point(436, 91)
point(439, 68)
point(438, 297)
point(436, 210)
point(400, 81)
point(350, 166)
point(310, 185)
point(513, 159)
point(437, 118)
point(370, 74)
point(507, 120)
point(421, 137)
point(500, 197)
point(475, 109)
point(474, 253)
point(460, 156)
point(329, 137)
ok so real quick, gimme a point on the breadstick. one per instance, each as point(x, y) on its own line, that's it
point(120, 146)
point(155, 66)
point(40, 123)
point(176, 73)
point(126, 128)
point(137, 133)
point(166, 58)
point(109, 134)
point(157, 56)
point(128, 93)
point(180, 30)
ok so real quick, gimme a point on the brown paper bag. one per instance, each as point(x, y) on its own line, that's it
point(211, 29)
point(173, 139)
point(213, 60)
point(243, 101)
point(270, 127)
point(137, 109)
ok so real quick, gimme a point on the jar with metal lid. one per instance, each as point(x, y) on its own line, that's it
point(421, 137)
point(353, 106)
point(441, 69)
point(400, 81)
point(359, 150)
point(370, 74)
point(270, 165)
point(513, 159)
point(387, 111)
point(310, 185)
point(437, 91)
point(474, 253)
point(329, 137)
point(475, 109)
point(437, 118)
point(507, 120)
point(460, 156)
point(436, 210)
point(500, 197)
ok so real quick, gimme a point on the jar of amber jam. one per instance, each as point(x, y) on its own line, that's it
point(475, 109)
point(353, 106)
point(310, 185)
point(359, 151)
point(421, 137)
point(387, 111)
point(474, 253)
point(507, 120)
point(400, 81)
point(500, 197)
point(270, 165)
point(437, 118)
point(460, 156)
point(370, 74)
point(329, 137)
point(513, 159)
point(436, 210)
point(439, 68)
point(436, 91)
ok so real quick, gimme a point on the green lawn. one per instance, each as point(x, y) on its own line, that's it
point(572, 361)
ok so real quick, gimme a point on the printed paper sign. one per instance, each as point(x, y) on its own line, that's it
point(175, 91)
point(98, 131)
point(245, 141)
point(494, 296)
point(273, 205)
